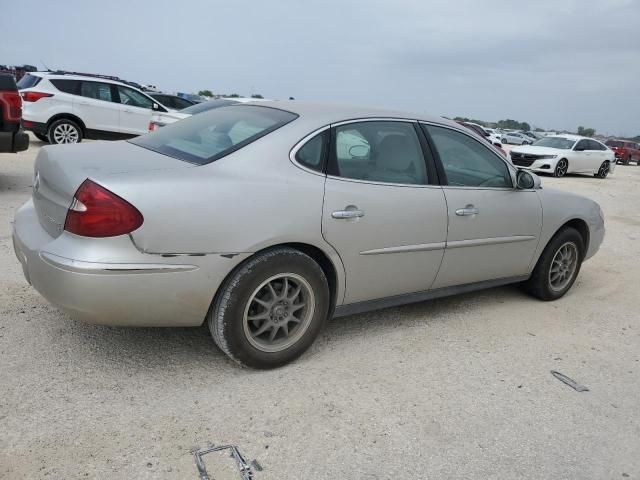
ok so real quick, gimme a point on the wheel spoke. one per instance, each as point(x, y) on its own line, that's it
point(265, 326)
point(263, 303)
point(297, 306)
point(285, 288)
point(261, 316)
point(274, 295)
point(273, 333)
point(285, 328)
point(295, 294)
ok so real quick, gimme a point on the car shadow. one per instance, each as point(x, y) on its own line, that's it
point(168, 349)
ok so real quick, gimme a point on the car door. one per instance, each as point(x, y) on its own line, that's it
point(135, 111)
point(582, 160)
point(96, 106)
point(493, 227)
point(598, 155)
point(383, 211)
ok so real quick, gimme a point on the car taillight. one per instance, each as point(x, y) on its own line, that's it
point(152, 126)
point(11, 106)
point(34, 96)
point(97, 212)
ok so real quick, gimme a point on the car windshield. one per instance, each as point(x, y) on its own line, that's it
point(205, 106)
point(555, 142)
point(204, 138)
point(614, 143)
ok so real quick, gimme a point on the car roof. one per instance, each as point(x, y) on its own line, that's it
point(70, 76)
point(326, 112)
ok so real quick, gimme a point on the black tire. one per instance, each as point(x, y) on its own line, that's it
point(561, 168)
point(226, 315)
point(73, 129)
point(603, 171)
point(42, 137)
point(628, 160)
point(539, 284)
point(504, 141)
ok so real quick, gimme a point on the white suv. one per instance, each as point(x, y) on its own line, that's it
point(65, 108)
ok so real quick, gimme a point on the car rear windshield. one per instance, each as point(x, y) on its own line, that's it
point(555, 142)
point(204, 138)
point(28, 81)
point(614, 143)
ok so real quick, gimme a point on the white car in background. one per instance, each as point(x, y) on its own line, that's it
point(564, 154)
point(160, 119)
point(515, 138)
point(65, 108)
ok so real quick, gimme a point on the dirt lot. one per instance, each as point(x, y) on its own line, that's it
point(454, 388)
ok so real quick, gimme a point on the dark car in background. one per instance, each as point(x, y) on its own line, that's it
point(171, 101)
point(625, 151)
point(12, 138)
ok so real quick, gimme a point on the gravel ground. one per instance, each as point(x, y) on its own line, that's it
point(453, 388)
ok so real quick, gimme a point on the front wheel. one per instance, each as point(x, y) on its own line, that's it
point(558, 266)
point(64, 131)
point(270, 309)
point(561, 168)
point(603, 171)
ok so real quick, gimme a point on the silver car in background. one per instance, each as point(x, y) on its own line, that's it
point(266, 220)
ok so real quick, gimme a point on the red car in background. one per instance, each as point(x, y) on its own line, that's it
point(625, 151)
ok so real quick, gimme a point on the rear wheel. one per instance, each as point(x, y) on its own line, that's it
point(603, 171)
point(561, 168)
point(42, 137)
point(271, 309)
point(558, 266)
point(64, 131)
point(628, 160)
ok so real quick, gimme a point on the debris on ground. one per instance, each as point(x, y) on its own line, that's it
point(245, 470)
point(572, 383)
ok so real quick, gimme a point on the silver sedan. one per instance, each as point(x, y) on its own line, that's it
point(266, 220)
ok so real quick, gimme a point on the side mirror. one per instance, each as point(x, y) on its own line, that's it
point(527, 180)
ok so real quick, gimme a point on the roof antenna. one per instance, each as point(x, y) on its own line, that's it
point(45, 66)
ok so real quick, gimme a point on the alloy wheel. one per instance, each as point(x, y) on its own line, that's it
point(278, 312)
point(604, 170)
point(65, 133)
point(563, 266)
point(561, 168)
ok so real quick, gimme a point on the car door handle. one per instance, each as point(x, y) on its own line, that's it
point(467, 211)
point(345, 214)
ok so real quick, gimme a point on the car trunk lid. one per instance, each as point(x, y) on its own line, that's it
point(60, 170)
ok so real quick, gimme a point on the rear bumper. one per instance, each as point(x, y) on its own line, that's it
point(35, 127)
point(130, 289)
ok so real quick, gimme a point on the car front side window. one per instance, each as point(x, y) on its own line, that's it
point(378, 151)
point(467, 162)
point(132, 98)
point(582, 145)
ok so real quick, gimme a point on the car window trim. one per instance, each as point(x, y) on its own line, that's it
point(510, 168)
point(302, 142)
point(332, 154)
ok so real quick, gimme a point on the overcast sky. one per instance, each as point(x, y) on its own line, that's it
point(554, 63)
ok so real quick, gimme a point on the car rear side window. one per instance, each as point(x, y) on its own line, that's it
point(66, 86)
point(209, 136)
point(378, 151)
point(28, 81)
point(96, 90)
point(466, 161)
point(313, 153)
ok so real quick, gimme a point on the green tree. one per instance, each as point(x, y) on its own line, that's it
point(586, 132)
point(205, 93)
point(233, 95)
point(256, 95)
